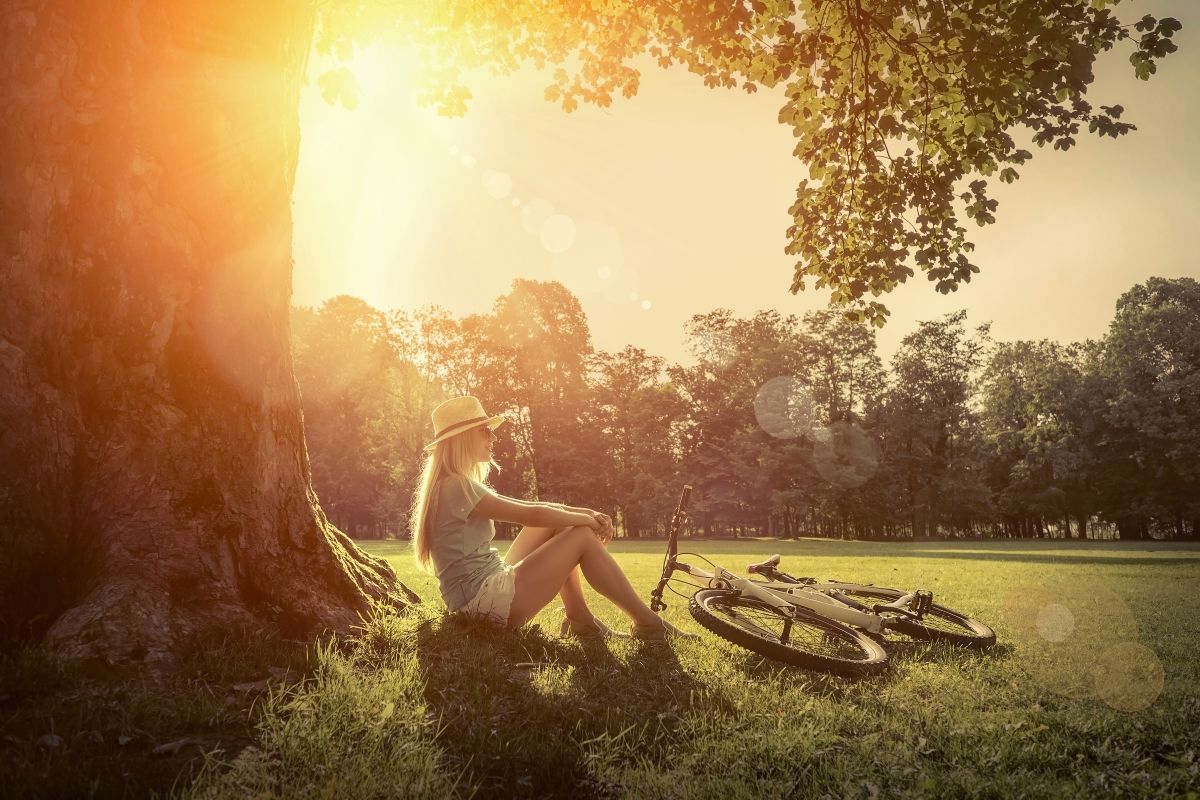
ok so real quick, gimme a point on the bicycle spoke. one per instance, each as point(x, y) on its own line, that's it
point(806, 634)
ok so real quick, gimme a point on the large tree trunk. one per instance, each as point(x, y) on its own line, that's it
point(154, 482)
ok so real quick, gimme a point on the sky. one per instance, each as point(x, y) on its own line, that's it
point(674, 203)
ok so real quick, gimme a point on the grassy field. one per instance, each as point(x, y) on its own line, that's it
point(1092, 691)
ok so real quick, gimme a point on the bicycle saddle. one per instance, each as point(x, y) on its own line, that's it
point(764, 566)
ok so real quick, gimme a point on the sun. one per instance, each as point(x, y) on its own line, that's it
point(371, 180)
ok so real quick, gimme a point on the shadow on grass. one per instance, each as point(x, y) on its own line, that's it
point(776, 675)
point(68, 733)
point(523, 714)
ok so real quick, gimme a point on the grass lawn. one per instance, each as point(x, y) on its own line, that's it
point(1092, 691)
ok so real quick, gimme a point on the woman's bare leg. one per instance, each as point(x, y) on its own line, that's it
point(541, 574)
point(530, 539)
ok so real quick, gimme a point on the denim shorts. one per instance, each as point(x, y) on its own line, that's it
point(494, 598)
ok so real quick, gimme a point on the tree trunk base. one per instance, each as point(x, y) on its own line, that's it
point(155, 484)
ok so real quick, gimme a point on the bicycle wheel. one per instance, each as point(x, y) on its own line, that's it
point(938, 624)
point(813, 641)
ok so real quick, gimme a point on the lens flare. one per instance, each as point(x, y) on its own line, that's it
point(783, 407)
point(845, 455)
point(1128, 677)
point(497, 184)
point(1072, 639)
point(1055, 622)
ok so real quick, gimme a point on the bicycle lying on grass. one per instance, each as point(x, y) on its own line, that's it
point(829, 626)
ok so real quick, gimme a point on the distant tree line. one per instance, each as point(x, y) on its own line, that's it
point(785, 426)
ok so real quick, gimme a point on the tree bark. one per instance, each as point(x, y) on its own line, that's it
point(154, 482)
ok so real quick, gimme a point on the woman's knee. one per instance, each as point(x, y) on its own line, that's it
point(584, 535)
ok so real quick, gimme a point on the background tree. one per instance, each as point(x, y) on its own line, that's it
point(795, 426)
point(722, 443)
point(846, 379)
point(1151, 363)
point(638, 415)
point(928, 429)
point(1034, 410)
point(540, 338)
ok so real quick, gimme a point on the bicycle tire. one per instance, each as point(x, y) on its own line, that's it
point(939, 623)
point(816, 643)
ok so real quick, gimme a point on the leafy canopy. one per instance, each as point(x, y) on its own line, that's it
point(902, 109)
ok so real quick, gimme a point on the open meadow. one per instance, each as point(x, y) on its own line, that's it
point(1092, 691)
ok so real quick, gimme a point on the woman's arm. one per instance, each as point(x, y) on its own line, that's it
point(538, 515)
point(605, 531)
point(542, 504)
point(572, 508)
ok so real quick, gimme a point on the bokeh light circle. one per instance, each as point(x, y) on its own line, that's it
point(845, 455)
point(783, 407)
point(1061, 659)
point(1128, 676)
point(468, 161)
point(1055, 622)
point(558, 233)
point(497, 184)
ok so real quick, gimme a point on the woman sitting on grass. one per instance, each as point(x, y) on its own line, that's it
point(452, 531)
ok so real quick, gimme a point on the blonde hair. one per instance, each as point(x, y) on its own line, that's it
point(452, 457)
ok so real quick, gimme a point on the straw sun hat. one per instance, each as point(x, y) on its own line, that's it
point(460, 414)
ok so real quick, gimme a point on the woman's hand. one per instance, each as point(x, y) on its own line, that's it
point(605, 533)
point(588, 520)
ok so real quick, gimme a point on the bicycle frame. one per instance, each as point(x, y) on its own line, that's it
point(785, 596)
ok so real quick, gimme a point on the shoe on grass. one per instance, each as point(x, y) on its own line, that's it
point(662, 632)
point(593, 628)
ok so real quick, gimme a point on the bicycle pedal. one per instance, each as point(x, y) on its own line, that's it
point(922, 602)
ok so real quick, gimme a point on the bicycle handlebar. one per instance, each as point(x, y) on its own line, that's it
point(684, 496)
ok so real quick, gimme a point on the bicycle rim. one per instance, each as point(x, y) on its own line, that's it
point(813, 642)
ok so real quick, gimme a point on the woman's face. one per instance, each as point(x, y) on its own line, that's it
point(485, 439)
